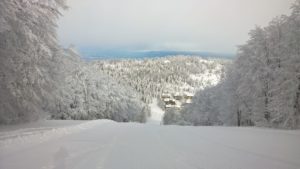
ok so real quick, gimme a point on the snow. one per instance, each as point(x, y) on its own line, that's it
point(167, 61)
point(156, 76)
point(206, 77)
point(110, 145)
point(39, 124)
point(38, 132)
point(156, 113)
point(4, 26)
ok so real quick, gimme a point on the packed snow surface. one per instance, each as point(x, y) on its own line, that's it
point(104, 144)
point(156, 113)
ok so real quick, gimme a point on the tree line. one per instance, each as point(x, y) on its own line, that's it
point(40, 79)
point(262, 85)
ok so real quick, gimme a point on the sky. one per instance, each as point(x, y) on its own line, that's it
point(175, 25)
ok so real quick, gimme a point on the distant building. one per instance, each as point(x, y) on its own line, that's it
point(188, 96)
point(166, 100)
point(177, 100)
point(165, 95)
point(178, 96)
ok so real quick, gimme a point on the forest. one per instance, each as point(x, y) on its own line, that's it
point(262, 85)
point(173, 74)
point(41, 80)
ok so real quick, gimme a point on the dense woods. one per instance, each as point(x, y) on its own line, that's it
point(39, 79)
point(262, 86)
point(29, 57)
point(173, 74)
point(89, 94)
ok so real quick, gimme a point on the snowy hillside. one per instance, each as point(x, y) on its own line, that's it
point(110, 145)
point(89, 94)
point(173, 74)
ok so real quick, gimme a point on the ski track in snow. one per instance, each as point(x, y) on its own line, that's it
point(104, 144)
point(156, 113)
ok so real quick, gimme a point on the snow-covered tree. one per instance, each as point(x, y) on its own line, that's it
point(262, 85)
point(269, 68)
point(172, 116)
point(152, 77)
point(89, 94)
point(38, 78)
point(28, 58)
point(204, 109)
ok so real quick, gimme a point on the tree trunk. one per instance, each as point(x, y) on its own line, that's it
point(297, 104)
point(266, 113)
point(239, 117)
point(267, 81)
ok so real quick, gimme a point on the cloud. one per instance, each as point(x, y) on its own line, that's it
point(207, 25)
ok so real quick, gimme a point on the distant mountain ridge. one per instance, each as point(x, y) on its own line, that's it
point(94, 54)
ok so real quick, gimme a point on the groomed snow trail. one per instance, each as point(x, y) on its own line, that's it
point(104, 144)
point(156, 113)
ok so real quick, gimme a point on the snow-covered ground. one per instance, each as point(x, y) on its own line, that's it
point(156, 113)
point(104, 144)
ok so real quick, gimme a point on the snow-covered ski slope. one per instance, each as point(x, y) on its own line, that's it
point(156, 113)
point(104, 144)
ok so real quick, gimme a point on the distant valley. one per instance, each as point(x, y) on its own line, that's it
point(95, 53)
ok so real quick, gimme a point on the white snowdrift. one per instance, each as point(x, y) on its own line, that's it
point(33, 133)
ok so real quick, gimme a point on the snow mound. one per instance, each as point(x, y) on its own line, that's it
point(35, 135)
